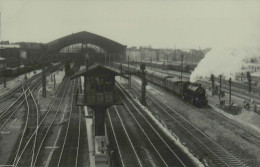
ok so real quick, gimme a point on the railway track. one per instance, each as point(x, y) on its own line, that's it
point(31, 83)
point(126, 150)
point(8, 113)
point(68, 155)
point(169, 153)
point(31, 125)
point(16, 87)
point(33, 138)
point(218, 154)
point(69, 139)
point(50, 117)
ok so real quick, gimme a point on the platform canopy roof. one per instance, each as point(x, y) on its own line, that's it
point(85, 37)
point(96, 70)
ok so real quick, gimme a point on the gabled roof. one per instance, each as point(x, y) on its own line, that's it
point(96, 70)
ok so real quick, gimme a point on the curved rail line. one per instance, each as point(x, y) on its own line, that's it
point(43, 139)
point(4, 112)
point(9, 114)
point(33, 135)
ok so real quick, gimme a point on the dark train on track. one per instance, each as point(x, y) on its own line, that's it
point(11, 72)
point(160, 65)
point(192, 92)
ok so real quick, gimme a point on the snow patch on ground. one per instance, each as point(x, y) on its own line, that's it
point(247, 118)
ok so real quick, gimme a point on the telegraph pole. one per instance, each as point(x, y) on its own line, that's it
point(85, 78)
point(129, 75)
point(212, 78)
point(229, 93)
point(43, 81)
point(144, 83)
point(181, 65)
point(4, 76)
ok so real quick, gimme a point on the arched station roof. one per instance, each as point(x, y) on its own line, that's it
point(108, 45)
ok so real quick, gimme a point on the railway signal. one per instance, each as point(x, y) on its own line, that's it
point(141, 74)
point(212, 78)
point(144, 83)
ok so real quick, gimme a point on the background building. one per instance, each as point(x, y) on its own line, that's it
point(166, 56)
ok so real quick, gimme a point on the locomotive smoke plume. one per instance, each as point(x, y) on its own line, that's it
point(225, 62)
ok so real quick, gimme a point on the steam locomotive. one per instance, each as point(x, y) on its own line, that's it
point(192, 92)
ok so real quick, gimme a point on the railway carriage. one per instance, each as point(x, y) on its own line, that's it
point(159, 78)
point(175, 84)
point(192, 92)
point(132, 69)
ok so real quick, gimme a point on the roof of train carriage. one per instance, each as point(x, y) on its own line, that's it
point(177, 79)
point(160, 75)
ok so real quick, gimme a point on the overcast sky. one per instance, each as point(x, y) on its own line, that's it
point(160, 23)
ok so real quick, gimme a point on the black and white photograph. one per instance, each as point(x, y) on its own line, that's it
point(129, 83)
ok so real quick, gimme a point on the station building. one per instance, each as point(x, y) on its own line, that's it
point(20, 53)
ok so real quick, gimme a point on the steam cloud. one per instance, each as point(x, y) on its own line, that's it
point(225, 62)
